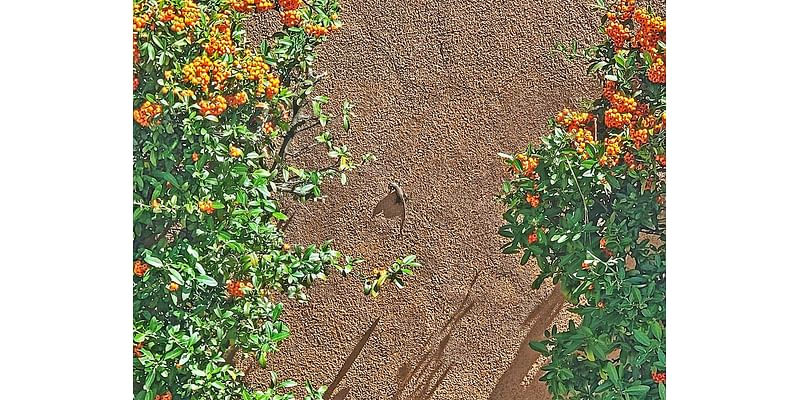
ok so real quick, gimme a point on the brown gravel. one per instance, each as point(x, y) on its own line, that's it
point(440, 88)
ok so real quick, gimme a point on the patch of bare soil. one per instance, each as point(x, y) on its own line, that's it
point(440, 88)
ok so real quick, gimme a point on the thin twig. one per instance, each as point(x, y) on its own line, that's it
point(583, 198)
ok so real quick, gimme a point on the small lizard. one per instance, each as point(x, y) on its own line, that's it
point(393, 205)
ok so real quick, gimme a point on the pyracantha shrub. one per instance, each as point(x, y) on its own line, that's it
point(588, 204)
point(212, 123)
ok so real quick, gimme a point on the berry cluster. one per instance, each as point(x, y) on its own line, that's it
point(572, 120)
point(289, 4)
point(640, 137)
point(533, 238)
point(195, 156)
point(291, 18)
point(219, 40)
point(533, 200)
point(164, 396)
point(529, 165)
point(604, 249)
point(618, 33)
point(188, 16)
point(269, 86)
point(622, 103)
point(173, 286)
point(213, 106)
point(167, 14)
point(140, 268)
point(246, 6)
point(220, 73)
point(204, 72)
point(582, 137)
point(611, 156)
point(186, 94)
point(625, 9)
point(144, 115)
point(198, 72)
point(255, 67)
point(609, 88)
point(237, 99)
point(319, 30)
point(576, 124)
point(141, 17)
point(269, 128)
point(652, 29)
point(137, 349)
point(642, 109)
point(659, 377)
point(135, 82)
point(237, 288)
point(235, 151)
point(661, 159)
point(657, 73)
point(630, 159)
point(206, 206)
point(616, 119)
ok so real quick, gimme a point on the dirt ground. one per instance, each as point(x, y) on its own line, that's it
point(440, 88)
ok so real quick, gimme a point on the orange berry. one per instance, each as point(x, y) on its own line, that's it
point(533, 200)
point(140, 268)
point(137, 349)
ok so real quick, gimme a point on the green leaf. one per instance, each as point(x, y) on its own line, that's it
point(137, 213)
point(641, 337)
point(150, 378)
point(261, 173)
point(638, 390)
point(151, 51)
point(656, 329)
point(175, 276)
point(525, 257)
point(207, 280)
point(262, 359)
point(662, 391)
point(612, 373)
point(173, 353)
point(280, 216)
point(192, 252)
point(154, 261)
point(538, 347)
